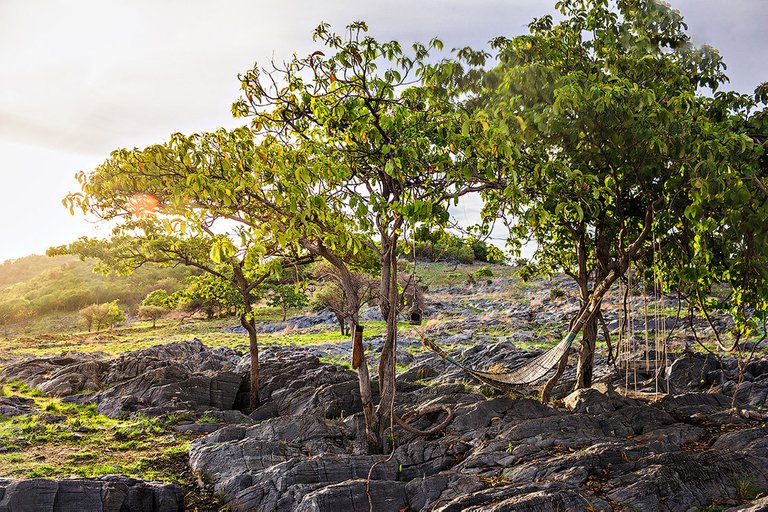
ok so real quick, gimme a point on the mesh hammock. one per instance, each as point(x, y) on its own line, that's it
point(527, 373)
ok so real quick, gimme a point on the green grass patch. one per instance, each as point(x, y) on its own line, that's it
point(65, 439)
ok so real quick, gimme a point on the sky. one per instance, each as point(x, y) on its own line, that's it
point(79, 79)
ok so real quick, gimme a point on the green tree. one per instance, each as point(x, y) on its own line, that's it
point(88, 314)
point(604, 140)
point(154, 306)
point(154, 313)
point(15, 310)
point(210, 294)
point(378, 147)
point(286, 297)
point(157, 297)
point(176, 207)
point(100, 316)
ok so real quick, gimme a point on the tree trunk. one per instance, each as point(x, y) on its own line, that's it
point(248, 321)
point(372, 440)
point(585, 367)
point(374, 433)
point(253, 341)
point(389, 301)
point(546, 390)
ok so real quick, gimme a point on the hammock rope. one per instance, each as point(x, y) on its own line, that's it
point(525, 374)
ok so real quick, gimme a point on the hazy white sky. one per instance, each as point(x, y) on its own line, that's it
point(81, 78)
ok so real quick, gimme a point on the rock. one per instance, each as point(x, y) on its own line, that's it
point(759, 505)
point(432, 491)
point(104, 494)
point(681, 480)
point(356, 495)
point(16, 406)
point(753, 440)
point(200, 428)
point(754, 392)
point(158, 380)
point(36, 371)
point(692, 371)
point(166, 389)
point(541, 498)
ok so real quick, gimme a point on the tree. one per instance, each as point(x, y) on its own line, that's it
point(88, 314)
point(110, 192)
point(285, 297)
point(157, 297)
point(211, 294)
point(100, 316)
point(154, 313)
point(333, 296)
point(109, 314)
point(14, 310)
point(374, 149)
point(604, 141)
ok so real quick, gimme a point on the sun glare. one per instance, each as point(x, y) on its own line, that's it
point(143, 205)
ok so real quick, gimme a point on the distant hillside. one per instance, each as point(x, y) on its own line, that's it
point(41, 285)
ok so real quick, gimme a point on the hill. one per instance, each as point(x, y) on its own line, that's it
point(36, 286)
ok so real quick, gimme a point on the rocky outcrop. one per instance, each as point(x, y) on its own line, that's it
point(176, 376)
point(16, 406)
point(104, 494)
point(605, 449)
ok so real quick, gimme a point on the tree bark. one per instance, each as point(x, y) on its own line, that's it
point(389, 301)
point(248, 322)
point(546, 390)
point(250, 326)
point(372, 440)
point(585, 368)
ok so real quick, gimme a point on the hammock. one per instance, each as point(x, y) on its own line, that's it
point(527, 373)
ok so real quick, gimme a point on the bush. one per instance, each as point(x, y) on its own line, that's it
point(99, 316)
point(465, 254)
point(156, 298)
point(484, 272)
point(556, 293)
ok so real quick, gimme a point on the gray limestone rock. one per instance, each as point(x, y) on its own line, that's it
point(104, 494)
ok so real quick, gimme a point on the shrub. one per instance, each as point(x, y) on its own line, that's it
point(556, 293)
point(484, 271)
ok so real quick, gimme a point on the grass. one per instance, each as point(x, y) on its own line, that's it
point(63, 439)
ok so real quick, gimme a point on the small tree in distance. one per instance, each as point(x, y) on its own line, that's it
point(333, 296)
point(153, 313)
point(100, 316)
point(286, 297)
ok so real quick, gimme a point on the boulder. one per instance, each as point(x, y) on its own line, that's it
point(158, 380)
point(16, 406)
point(103, 494)
point(692, 372)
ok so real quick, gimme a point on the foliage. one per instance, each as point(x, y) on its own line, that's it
point(285, 297)
point(210, 294)
point(484, 272)
point(607, 149)
point(15, 310)
point(63, 284)
point(100, 316)
point(153, 313)
point(157, 297)
point(376, 149)
point(332, 295)
point(556, 293)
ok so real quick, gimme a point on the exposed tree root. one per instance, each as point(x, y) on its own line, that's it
point(415, 414)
